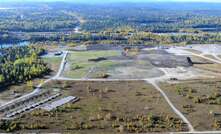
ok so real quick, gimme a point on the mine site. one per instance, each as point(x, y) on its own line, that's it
point(175, 85)
point(110, 67)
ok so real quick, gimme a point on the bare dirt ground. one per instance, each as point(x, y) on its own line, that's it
point(210, 67)
point(208, 48)
point(111, 107)
point(140, 65)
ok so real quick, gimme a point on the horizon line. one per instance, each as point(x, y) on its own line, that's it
point(112, 1)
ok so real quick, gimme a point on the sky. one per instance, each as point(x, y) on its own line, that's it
point(102, 1)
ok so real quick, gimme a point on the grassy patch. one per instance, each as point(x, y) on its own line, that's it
point(79, 64)
point(106, 107)
point(82, 56)
point(53, 62)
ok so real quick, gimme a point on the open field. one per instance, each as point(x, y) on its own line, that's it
point(206, 65)
point(79, 65)
point(109, 103)
point(105, 107)
point(194, 51)
point(207, 48)
point(114, 65)
point(110, 67)
point(200, 100)
point(210, 56)
point(53, 63)
point(210, 67)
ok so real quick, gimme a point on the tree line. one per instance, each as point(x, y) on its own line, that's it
point(128, 35)
point(19, 64)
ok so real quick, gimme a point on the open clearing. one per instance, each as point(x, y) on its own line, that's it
point(141, 64)
point(15, 91)
point(200, 100)
point(53, 63)
point(107, 107)
point(78, 65)
point(210, 67)
point(116, 94)
point(207, 48)
point(114, 65)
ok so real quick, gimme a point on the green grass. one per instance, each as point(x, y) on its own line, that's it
point(82, 56)
point(80, 59)
point(78, 73)
point(52, 59)
point(53, 62)
point(106, 64)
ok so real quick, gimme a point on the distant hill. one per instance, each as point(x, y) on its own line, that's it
point(108, 1)
point(154, 4)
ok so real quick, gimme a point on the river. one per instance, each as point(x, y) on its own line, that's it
point(25, 43)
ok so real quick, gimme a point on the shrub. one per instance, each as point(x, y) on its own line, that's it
point(197, 100)
point(110, 117)
point(10, 126)
point(217, 124)
point(121, 129)
point(218, 101)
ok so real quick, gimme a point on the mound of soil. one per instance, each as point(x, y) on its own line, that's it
point(98, 59)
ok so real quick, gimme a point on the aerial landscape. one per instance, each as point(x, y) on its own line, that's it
point(91, 67)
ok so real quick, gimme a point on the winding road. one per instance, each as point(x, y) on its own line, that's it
point(217, 57)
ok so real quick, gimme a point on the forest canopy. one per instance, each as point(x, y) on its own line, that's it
point(19, 64)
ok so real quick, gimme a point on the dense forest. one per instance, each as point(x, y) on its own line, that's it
point(112, 24)
point(148, 17)
point(36, 20)
point(127, 35)
point(19, 64)
point(143, 17)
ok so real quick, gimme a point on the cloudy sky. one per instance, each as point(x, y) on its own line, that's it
point(101, 1)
